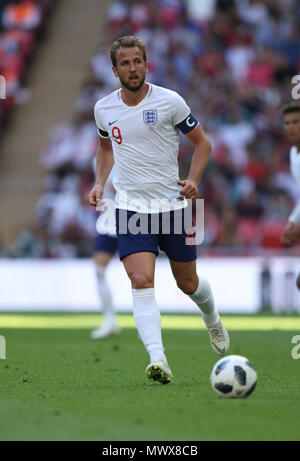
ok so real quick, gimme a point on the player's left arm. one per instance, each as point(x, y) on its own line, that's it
point(200, 159)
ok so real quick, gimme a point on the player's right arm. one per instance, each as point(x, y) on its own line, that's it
point(291, 231)
point(104, 164)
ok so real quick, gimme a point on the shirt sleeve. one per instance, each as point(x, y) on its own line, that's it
point(180, 109)
point(183, 119)
point(295, 215)
point(101, 128)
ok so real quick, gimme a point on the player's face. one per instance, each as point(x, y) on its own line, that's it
point(131, 68)
point(292, 126)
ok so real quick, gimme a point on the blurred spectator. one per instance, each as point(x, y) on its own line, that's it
point(21, 14)
point(20, 23)
point(72, 144)
point(201, 11)
point(27, 245)
point(228, 234)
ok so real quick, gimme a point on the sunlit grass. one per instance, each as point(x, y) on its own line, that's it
point(178, 322)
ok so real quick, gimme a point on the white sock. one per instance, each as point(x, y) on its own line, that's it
point(148, 322)
point(105, 295)
point(203, 297)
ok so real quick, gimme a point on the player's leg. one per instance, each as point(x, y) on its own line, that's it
point(199, 290)
point(140, 269)
point(138, 253)
point(182, 255)
point(105, 247)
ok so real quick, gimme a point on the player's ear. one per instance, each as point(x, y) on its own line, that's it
point(114, 69)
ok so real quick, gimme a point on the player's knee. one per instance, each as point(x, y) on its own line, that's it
point(298, 282)
point(140, 280)
point(188, 285)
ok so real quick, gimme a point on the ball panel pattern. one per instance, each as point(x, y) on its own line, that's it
point(233, 376)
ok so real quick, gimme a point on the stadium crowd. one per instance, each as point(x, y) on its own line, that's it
point(232, 60)
point(21, 25)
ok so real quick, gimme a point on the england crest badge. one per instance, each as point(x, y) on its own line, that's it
point(150, 116)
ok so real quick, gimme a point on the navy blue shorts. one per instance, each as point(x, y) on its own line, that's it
point(172, 243)
point(105, 243)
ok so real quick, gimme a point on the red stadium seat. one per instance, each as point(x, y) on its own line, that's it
point(271, 233)
point(249, 232)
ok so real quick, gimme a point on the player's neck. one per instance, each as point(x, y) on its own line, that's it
point(298, 146)
point(132, 98)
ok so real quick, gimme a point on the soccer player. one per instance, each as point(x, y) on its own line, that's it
point(291, 117)
point(139, 128)
point(104, 248)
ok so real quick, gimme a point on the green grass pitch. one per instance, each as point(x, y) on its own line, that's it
point(58, 384)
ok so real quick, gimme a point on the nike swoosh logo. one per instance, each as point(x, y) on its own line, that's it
point(111, 123)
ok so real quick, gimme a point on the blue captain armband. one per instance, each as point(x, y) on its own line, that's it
point(188, 124)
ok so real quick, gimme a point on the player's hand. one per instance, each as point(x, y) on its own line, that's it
point(189, 188)
point(95, 195)
point(291, 233)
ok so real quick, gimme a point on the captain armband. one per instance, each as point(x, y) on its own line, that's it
point(188, 124)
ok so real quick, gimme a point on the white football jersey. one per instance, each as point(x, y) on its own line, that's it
point(295, 170)
point(145, 142)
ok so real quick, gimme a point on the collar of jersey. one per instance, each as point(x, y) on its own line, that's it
point(146, 96)
point(295, 148)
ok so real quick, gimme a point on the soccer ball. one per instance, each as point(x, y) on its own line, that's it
point(233, 377)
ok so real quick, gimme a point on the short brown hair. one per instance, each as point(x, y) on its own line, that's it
point(129, 41)
point(291, 107)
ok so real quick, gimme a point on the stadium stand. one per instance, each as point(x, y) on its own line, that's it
point(21, 24)
point(52, 84)
point(235, 72)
